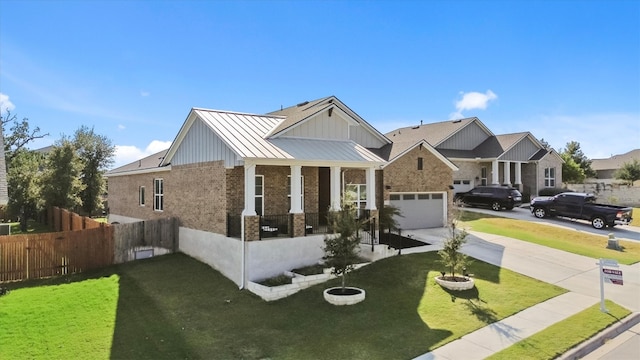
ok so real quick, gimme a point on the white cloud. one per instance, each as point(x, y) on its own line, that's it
point(5, 103)
point(121, 127)
point(472, 100)
point(126, 154)
point(144, 93)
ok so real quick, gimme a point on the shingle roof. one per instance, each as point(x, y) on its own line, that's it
point(616, 161)
point(149, 162)
point(433, 133)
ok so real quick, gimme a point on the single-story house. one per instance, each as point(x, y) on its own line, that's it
point(606, 168)
point(228, 177)
point(483, 158)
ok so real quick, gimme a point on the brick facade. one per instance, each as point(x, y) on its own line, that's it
point(403, 175)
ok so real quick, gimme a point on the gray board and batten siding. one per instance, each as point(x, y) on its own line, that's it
point(466, 139)
point(522, 151)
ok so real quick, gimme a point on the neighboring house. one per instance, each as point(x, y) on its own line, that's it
point(4, 189)
point(517, 160)
point(606, 168)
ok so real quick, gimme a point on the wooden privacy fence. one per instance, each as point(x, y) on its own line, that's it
point(50, 254)
point(150, 234)
point(65, 220)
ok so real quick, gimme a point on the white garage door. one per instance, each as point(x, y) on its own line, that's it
point(420, 210)
point(461, 186)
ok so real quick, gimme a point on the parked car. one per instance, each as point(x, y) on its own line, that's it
point(581, 206)
point(495, 197)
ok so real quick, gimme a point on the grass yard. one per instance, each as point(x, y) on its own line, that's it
point(636, 217)
point(560, 337)
point(172, 307)
point(558, 238)
point(59, 321)
point(33, 227)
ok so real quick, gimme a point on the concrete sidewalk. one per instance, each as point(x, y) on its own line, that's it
point(579, 274)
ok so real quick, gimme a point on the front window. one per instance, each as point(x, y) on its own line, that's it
point(141, 195)
point(357, 194)
point(550, 177)
point(158, 194)
point(420, 163)
point(260, 194)
point(301, 187)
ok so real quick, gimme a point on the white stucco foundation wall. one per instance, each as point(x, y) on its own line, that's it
point(218, 251)
point(269, 258)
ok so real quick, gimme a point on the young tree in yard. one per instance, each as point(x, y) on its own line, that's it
point(572, 173)
point(630, 171)
point(573, 150)
point(24, 186)
point(450, 256)
point(341, 247)
point(96, 154)
point(61, 180)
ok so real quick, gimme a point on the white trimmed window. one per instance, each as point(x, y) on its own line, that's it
point(301, 193)
point(259, 195)
point(357, 194)
point(141, 195)
point(550, 177)
point(158, 194)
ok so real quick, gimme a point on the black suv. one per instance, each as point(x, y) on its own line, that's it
point(496, 197)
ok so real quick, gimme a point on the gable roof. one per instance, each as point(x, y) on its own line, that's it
point(616, 161)
point(392, 152)
point(248, 136)
point(434, 133)
point(147, 164)
point(298, 114)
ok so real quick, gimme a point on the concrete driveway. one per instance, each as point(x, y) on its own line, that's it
point(621, 232)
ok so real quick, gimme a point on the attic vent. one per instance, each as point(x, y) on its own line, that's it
point(302, 103)
point(456, 121)
point(416, 127)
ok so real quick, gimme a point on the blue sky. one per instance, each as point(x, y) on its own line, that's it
point(563, 70)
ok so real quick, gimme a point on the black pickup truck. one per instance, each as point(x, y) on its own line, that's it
point(581, 206)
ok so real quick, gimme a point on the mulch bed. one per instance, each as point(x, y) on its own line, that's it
point(400, 242)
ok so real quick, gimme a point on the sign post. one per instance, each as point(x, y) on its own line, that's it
point(611, 276)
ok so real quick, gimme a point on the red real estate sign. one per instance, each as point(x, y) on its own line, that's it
point(612, 276)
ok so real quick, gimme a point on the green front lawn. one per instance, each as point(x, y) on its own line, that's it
point(576, 242)
point(636, 217)
point(173, 307)
point(562, 336)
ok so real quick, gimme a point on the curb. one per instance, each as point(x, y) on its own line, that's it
point(602, 337)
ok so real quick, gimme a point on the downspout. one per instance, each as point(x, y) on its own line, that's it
point(242, 262)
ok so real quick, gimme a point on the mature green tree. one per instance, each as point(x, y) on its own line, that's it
point(630, 171)
point(96, 153)
point(61, 179)
point(18, 135)
point(572, 173)
point(24, 185)
point(573, 150)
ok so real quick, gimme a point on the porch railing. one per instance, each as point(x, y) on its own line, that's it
point(275, 225)
point(315, 224)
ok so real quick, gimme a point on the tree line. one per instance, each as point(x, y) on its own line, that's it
point(69, 175)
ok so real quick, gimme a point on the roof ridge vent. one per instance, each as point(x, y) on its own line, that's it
point(302, 103)
point(457, 121)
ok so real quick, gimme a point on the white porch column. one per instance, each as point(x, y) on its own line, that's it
point(507, 173)
point(296, 189)
point(371, 188)
point(518, 173)
point(249, 190)
point(494, 173)
point(335, 188)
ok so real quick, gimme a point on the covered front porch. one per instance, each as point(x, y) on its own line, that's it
point(269, 205)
